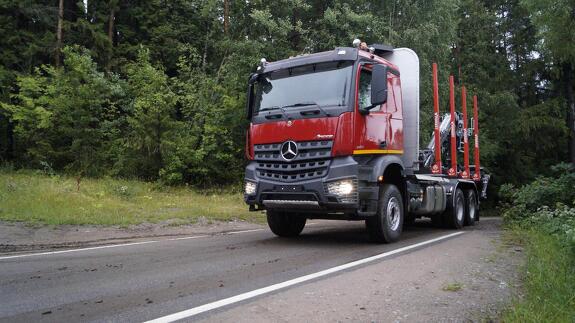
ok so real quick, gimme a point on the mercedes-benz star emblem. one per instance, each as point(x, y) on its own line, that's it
point(289, 150)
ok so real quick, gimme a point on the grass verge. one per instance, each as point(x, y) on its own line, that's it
point(41, 199)
point(549, 280)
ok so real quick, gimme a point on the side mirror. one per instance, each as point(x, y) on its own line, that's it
point(250, 102)
point(250, 96)
point(378, 85)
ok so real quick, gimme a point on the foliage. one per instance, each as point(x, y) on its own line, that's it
point(156, 90)
point(151, 119)
point(65, 116)
point(519, 204)
point(557, 26)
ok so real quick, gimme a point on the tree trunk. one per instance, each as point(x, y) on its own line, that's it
point(294, 35)
point(206, 43)
point(59, 32)
point(569, 96)
point(226, 16)
point(111, 35)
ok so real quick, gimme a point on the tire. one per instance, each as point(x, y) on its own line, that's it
point(470, 207)
point(387, 224)
point(285, 224)
point(455, 215)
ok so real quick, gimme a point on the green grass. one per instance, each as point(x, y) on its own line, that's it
point(39, 199)
point(549, 281)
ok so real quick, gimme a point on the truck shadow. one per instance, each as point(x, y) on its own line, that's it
point(353, 233)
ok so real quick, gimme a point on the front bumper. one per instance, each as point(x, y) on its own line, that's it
point(306, 195)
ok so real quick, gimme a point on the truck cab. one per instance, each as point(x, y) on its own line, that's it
point(335, 135)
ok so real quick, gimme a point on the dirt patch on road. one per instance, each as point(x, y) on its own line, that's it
point(20, 237)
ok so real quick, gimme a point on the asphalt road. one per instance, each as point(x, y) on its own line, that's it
point(140, 282)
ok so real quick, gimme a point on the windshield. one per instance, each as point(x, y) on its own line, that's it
point(324, 84)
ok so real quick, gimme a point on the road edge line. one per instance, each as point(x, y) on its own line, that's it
point(98, 247)
point(272, 288)
point(46, 253)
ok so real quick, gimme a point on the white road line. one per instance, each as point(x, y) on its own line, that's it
point(265, 290)
point(124, 244)
point(98, 247)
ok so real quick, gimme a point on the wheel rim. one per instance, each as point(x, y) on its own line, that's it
point(393, 213)
point(471, 207)
point(460, 209)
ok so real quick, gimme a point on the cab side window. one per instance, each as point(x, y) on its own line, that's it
point(364, 88)
point(365, 91)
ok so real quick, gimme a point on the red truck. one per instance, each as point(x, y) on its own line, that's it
point(335, 135)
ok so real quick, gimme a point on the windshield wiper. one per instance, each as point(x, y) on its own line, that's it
point(303, 104)
point(275, 107)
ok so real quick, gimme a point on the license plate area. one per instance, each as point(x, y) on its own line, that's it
point(288, 188)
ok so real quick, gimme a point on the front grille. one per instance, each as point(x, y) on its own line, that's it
point(312, 161)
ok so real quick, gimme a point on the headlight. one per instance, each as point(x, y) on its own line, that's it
point(341, 188)
point(250, 188)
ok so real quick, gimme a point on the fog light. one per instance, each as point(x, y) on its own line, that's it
point(340, 188)
point(250, 188)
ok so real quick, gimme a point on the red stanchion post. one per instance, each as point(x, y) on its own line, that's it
point(477, 174)
point(453, 169)
point(466, 172)
point(436, 168)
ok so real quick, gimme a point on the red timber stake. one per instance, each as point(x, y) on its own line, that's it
point(453, 169)
point(477, 174)
point(436, 168)
point(466, 172)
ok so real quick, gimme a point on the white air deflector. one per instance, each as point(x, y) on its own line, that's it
point(408, 63)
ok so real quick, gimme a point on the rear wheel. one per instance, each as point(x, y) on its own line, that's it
point(285, 224)
point(470, 207)
point(455, 216)
point(387, 224)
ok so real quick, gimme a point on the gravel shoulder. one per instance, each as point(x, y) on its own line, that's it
point(469, 278)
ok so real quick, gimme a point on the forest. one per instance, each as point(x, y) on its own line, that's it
point(155, 89)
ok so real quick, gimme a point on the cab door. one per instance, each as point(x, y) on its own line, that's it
point(372, 130)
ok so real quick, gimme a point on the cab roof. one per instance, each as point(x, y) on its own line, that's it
point(337, 54)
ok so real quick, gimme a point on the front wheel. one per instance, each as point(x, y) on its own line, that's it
point(387, 224)
point(285, 224)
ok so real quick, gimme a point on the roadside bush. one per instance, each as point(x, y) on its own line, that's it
point(518, 204)
point(559, 222)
